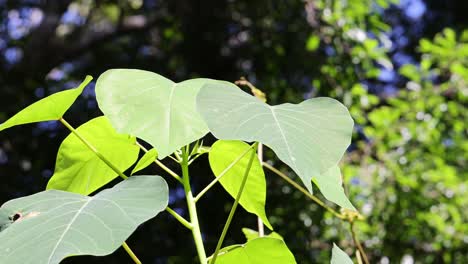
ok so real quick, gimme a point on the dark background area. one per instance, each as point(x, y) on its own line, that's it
point(49, 46)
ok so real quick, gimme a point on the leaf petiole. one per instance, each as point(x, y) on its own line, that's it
point(160, 164)
point(224, 172)
point(236, 202)
point(92, 148)
point(130, 253)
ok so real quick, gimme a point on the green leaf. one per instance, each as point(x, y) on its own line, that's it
point(311, 137)
point(146, 160)
point(251, 234)
point(331, 187)
point(339, 256)
point(223, 153)
point(260, 250)
point(50, 108)
point(80, 170)
point(152, 107)
point(53, 224)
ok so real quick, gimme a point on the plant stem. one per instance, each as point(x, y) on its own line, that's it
point(192, 208)
point(261, 227)
point(303, 190)
point(179, 218)
point(93, 149)
point(160, 164)
point(130, 252)
point(224, 172)
point(357, 243)
point(234, 206)
point(108, 163)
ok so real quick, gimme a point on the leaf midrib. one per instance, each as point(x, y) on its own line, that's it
point(67, 228)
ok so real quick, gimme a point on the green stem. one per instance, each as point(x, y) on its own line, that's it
point(93, 149)
point(179, 218)
point(224, 172)
point(261, 227)
point(192, 208)
point(358, 244)
point(160, 164)
point(108, 163)
point(234, 206)
point(130, 252)
point(303, 190)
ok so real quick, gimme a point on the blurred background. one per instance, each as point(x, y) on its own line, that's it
point(401, 67)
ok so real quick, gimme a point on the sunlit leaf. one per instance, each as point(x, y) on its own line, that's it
point(310, 137)
point(146, 160)
point(80, 170)
point(53, 225)
point(50, 108)
point(223, 153)
point(251, 234)
point(339, 256)
point(152, 107)
point(260, 250)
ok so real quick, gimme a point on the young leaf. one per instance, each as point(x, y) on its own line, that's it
point(339, 256)
point(222, 154)
point(80, 170)
point(310, 137)
point(146, 160)
point(331, 186)
point(50, 108)
point(260, 250)
point(152, 107)
point(53, 225)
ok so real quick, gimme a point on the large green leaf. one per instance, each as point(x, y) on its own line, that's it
point(53, 225)
point(225, 152)
point(257, 251)
point(50, 108)
point(152, 107)
point(339, 256)
point(310, 137)
point(330, 185)
point(80, 170)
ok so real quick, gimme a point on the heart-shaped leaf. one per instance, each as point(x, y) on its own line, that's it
point(52, 225)
point(339, 256)
point(310, 137)
point(152, 107)
point(330, 184)
point(222, 155)
point(80, 170)
point(260, 250)
point(50, 108)
point(146, 160)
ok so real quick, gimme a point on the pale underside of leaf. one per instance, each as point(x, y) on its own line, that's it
point(50, 108)
point(152, 107)
point(330, 185)
point(310, 137)
point(57, 224)
point(339, 256)
point(80, 170)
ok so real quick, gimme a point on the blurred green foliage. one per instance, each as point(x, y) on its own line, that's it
point(412, 167)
